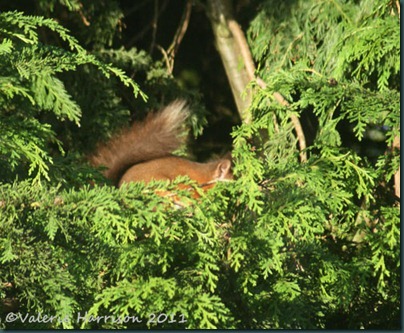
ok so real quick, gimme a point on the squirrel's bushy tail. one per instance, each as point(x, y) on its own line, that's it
point(157, 136)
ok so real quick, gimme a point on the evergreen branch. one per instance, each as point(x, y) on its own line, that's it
point(51, 95)
point(339, 8)
point(6, 46)
point(243, 48)
point(250, 67)
point(11, 87)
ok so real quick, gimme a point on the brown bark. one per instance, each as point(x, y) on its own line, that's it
point(396, 144)
point(220, 14)
point(239, 65)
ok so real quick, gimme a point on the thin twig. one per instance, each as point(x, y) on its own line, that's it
point(136, 7)
point(250, 68)
point(83, 18)
point(297, 125)
point(149, 26)
point(154, 24)
point(166, 58)
point(396, 145)
point(398, 7)
point(180, 33)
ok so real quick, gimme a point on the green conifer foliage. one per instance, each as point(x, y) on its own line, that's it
point(285, 245)
point(30, 87)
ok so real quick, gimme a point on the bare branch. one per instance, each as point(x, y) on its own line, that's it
point(149, 26)
point(238, 35)
point(83, 17)
point(398, 7)
point(154, 25)
point(396, 144)
point(182, 28)
point(169, 55)
point(219, 12)
point(166, 59)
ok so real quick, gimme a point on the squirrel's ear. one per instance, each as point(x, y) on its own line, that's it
point(223, 170)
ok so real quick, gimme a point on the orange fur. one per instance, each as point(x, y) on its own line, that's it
point(144, 152)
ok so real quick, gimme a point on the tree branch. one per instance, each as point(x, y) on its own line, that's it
point(133, 40)
point(396, 144)
point(249, 67)
point(219, 13)
point(169, 55)
point(181, 30)
point(154, 25)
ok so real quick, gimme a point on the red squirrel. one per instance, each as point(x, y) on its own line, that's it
point(143, 152)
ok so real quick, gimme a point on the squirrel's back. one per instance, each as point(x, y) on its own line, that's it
point(157, 136)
